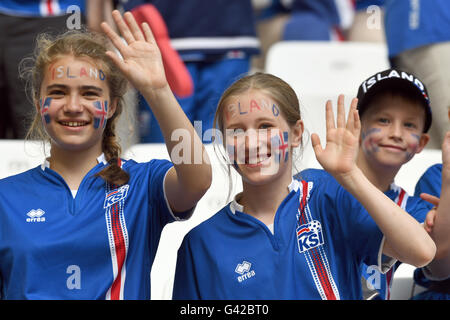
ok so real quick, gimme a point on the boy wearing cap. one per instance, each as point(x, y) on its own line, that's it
point(395, 117)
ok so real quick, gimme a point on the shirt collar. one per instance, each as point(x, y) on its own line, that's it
point(235, 206)
point(100, 159)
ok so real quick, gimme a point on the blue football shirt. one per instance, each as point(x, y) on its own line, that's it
point(322, 235)
point(99, 244)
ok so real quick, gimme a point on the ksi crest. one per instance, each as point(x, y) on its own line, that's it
point(309, 236)
point(116, 195)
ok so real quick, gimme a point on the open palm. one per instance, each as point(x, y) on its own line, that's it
point(141, 59)
point(339, 155)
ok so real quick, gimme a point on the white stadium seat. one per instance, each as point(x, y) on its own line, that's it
point(19, 155)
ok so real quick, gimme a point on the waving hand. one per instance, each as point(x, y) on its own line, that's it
point(141, 63)
point(339, 155)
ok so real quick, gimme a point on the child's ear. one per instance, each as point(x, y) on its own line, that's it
point(296, 133)
point(424, 138)
point(112, 107)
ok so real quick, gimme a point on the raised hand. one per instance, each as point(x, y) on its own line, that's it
point(339, 155)
point(141, 63)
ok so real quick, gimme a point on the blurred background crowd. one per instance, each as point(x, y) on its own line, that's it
point(221, 40)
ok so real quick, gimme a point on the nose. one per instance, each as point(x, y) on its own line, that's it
point(396, 131)
point(73, 104)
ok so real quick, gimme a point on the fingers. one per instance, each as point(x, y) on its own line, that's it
point(113, 36)
point(133, 26)
point(148, 33)
point(123, 27)
point(353, 123)
point(429, 220)
point(315, 140)
point(116, 60)
point(341, 112)
point(430, 198)
point(329, 116)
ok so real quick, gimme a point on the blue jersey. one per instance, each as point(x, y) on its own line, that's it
point(430, 182)
point(417, 208)
point(412, 24)
point(322, 235)
point(99, 244)
point(220, 26)
point(39, 8)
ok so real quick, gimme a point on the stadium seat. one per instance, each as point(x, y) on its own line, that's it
point(19, 155)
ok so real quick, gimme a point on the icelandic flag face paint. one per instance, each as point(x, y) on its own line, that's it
point(45, 105)
point(280, 145)
point(101, 111)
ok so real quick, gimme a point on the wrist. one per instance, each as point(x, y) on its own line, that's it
point(351, 180)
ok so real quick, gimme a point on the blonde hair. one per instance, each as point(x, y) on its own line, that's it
point(79, 44)
point(279, 90)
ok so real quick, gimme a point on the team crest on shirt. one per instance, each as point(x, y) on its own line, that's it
point(309, 236)
point(116, 195)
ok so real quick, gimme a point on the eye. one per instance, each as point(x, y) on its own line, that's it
point(410, 125)
point(91, 94)
point(265, 126)
point(383, 120)
point(234, 132)
point(56, 92)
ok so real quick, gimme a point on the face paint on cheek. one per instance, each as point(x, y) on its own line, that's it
point(369, 140)
point(279, 144)
point(412, 146)
point(45, 106)
point(100, 114)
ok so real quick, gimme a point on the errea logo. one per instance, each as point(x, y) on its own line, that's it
point(244, 270)
point(36, 215)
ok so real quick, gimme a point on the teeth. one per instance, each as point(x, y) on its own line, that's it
point(73, 124)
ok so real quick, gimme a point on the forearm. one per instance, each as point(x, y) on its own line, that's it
point(405, 239)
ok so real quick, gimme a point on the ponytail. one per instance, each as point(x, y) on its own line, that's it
point(113, 173)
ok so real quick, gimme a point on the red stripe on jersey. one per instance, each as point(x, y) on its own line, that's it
point(400, 197)
point(302, 218)
point(323, 276)
point(119, 243)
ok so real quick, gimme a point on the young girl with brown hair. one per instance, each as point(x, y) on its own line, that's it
point(86, 224)
point(283, 238)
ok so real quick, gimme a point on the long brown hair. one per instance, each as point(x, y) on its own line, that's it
point(80, 44)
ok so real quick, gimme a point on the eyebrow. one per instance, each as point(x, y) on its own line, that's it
point(63, 86)
point(233, 124)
